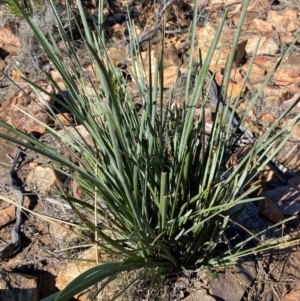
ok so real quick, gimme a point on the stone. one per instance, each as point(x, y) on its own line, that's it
point(282, 93)
point(293, 296)
point(295, 100)
point(281, 19)
point(2, 65)
point(232, 286)
point(76, 268)
point(293, 88)
point(204, 37)
point(272, 100)
point(279, 93)
point(200, 294)
point(268, 45)
point(235, 75)
point(260, 5)
point(289, 71)
point(170, 75)
point(289, 155)
point(261, 25)
point(79, 132)
point(292, 26)
point(286, 198)
point(171, 62)
point(117, 54)
point(295, 183)
point(269, 209)
point(267, 119)
point(62, 233)
point(17, 287)
point(28, 101)
point(265, 62)
point(16, 76)
point(118, 32)
point(65, 119)
point(7, 215)
point(249, 17)
point(43, 179)
point(171, 57)
point(248, 216)
point(234, 90)
point(296, 132)
point(8, 38)
point(257, 74)
point(76, 191)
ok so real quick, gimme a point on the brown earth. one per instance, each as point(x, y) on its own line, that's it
point(274, 275)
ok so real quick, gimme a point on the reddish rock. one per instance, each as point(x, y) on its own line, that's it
point(117, 55)
point(76, 191)
point(268, 45)
point(289, 71)
point(238, 156)
point(293, 88)
point(118, 32)
point(260, 5)
point(261, 25)
point(257, 74)
point(33, 164)
point(170, 76)
point(78, 132)
point(270, 210)
point(87, 260)
point(200, 294)
point(272, 100)
point(17, 286)
point(274, 91)
point(204, 37)
point(292, 26)
point(234, 90)
point(289, 155)
point(28, 101)
point(280, 19)
point(249, 17)
point(293, 296)
point(62, 233)
point(266, 62)
point(8, 38)
point(31, 126)
point(10, 49)
point(232, 286)
point(43, 179)
point(7, 215)
point(65, 119)
point(286, 198)
point(293, 100)
point(16, 76)
point(296, 132)
point(282, 93)
point(236, 76)
point(2, 65)
point(286, 37)
point(267, 119)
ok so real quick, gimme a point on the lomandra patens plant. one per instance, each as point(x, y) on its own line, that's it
point(160, 189)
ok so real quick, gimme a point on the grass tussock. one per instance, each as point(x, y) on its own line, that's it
point(161, 193)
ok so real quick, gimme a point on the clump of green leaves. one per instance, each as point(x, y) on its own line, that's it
point(161, 191)
point(25, 5)
point(13, 8)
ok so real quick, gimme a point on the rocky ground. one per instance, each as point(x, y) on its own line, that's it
point(42, 265)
